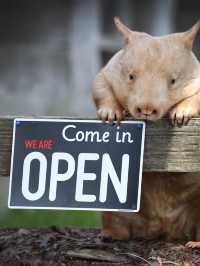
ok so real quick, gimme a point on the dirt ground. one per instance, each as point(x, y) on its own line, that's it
point(75, 247)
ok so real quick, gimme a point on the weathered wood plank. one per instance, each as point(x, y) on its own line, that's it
point(167, 148)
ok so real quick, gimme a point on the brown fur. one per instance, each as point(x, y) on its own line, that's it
point(169, 208)
point(150, 77)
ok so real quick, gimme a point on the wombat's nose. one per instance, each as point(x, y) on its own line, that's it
point(147, 110)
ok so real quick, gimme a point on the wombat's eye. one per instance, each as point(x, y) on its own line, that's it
point(131, 77)
point(173, 81)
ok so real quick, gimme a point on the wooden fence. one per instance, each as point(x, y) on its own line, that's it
point(167, 148)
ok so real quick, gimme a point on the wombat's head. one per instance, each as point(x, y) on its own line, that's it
point(158, 71)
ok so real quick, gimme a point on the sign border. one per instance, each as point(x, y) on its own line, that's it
point(71, 208)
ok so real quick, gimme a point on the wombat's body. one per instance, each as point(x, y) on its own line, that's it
point(150, 77)
point(169, 208)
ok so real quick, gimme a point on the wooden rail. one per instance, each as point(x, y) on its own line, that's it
point(167, 148)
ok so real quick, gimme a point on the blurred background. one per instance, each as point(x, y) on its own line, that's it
point(50, 51)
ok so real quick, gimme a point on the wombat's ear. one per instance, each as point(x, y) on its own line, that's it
point(123, 29)
point(189, 36)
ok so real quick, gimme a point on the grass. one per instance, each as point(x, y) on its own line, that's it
point(44, 218)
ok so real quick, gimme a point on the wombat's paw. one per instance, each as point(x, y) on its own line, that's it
point(192, 244)
point(110, 114)
point(115, 234)
point(105, 236)
point(182, 112)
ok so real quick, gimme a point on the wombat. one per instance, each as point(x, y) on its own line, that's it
point(149, 78)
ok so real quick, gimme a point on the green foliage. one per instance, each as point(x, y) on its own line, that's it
point(44, 218)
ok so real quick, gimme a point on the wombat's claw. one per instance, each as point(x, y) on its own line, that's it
point(179, 120)
point(183, 112)
point(180, 117)
point(110, 115)
point(193, 244)
point(105, 237)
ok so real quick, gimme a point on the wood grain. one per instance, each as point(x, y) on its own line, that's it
point(167, 148)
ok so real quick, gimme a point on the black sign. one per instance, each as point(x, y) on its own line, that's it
point(76, 164)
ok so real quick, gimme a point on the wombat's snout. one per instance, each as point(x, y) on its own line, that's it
point(147, 112)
